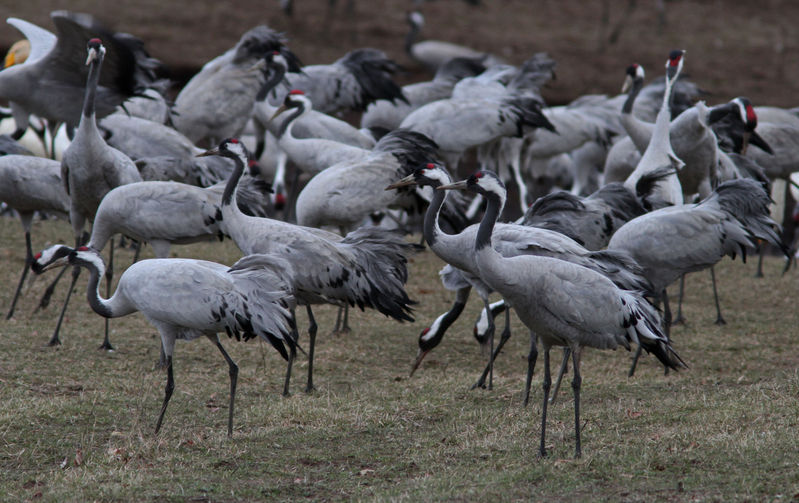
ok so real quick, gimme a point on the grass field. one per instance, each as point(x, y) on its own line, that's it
point(77, 424)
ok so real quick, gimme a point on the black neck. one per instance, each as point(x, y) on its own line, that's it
point(91, 85)
point(279, 73)
point(93, 292)
point(410, 38)
point(431, 217)
point(233, 181)
point(493, 207)
point(628, 103)
point(291, 117)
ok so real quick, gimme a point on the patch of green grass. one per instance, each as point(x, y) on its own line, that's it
point(77, 424)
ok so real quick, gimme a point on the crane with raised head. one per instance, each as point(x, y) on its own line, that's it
point(562, 303)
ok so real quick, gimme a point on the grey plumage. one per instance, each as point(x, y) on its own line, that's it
point(29, 184)
point(590, 221)
point(366, 268)
point(562, 303)
point(187, 299)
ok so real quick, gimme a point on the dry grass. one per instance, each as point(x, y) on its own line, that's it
point(77, 424)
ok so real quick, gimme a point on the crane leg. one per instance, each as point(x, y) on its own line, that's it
point(490, 338)
point(312, 342)
point(679, 319)
point(761, 251)
point(576, 384)
point(233, 372)
point(54, 340)
point(532, 356)
point(719, 318)
point(109, 276)
point(48, 292)
point(564, 366)
point(292, 353)
point(635, 360)
point(170, 387)
point(542, 450)
point(502, 340)
point(28, 262)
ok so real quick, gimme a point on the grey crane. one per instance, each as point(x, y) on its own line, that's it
point(434, 54)
point(349, 83)
point(484, 108)
point(89, 169)
point(311, 155)
point(659, 152)
point(29, 184)
point(672, 241)
point(187, 299)
point(510, 240)
point(367, 267)
point(562, 303)
point(217, 102)
point(345, 194)
point(390, 114)
point(50, 83)
point(592, 220)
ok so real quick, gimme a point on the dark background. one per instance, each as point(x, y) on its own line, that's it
point(733, 47)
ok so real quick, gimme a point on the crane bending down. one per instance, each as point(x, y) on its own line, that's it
point(187, 299)
point(563, 303)
point(367, 267)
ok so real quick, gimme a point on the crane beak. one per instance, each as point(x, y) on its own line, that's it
point(462, 185)
point(408, 180)
point(91, 57)
point(280, 110)
point(628, 82)
point(419, 357)
point(213, 151)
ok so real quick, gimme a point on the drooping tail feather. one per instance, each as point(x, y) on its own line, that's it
point(643, 325)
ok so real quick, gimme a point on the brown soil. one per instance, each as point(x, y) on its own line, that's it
point(733, 48)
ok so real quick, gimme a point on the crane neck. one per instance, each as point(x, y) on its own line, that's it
point(98, 304)
point(432, 231)
point(410, 38)
point(91, 86)
point(289, 122)
point(274, 80)
point(229, 195)
point(493, 208)
point(627, 108)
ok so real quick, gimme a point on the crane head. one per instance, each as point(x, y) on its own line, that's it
point(95, 50)
point(747, 112)
point(294, 99)
point(634, 74)
point(674, 64)
point(483, 182)
point(51, 257)
point(430, 175)
point(230, 147)
point(429, 338)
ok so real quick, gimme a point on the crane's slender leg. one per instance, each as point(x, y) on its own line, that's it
point(28, 262)
point(170, 387)
point(719, 318)
point(48, 292)
point(761, 252)
point(312, 341)
point(635, 360)
point(532, 356)
point(502, 340)
point(345, 324)
point(542, 450)
point(564, 366)
point(54, 340)
point(680, 318)
point(576, 383)
point(233, 372)
point(109, 276)
point(490, 337)
point(138, 252)
point(292, 353)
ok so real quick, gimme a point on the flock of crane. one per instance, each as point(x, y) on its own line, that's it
point(661, 185)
